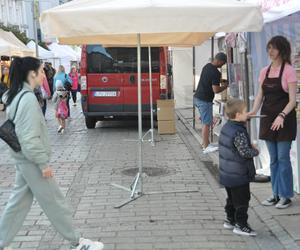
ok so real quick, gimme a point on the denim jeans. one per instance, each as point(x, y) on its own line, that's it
point(205, 111)
point(281, 168)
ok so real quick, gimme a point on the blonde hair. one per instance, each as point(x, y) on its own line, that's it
point(234, 106)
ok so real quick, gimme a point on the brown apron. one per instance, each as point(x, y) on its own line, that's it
point(275, 100)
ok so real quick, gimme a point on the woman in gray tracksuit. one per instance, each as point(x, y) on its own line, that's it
point(34, 177)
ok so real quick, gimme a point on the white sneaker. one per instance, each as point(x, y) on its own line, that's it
point(62, 131)
point(244, 230)
point(210, 148)
point(86, 244)
point(283, 203)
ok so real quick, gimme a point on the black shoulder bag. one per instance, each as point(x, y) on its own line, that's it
point(7, 130)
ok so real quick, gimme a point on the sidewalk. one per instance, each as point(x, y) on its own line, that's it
point(282, 223)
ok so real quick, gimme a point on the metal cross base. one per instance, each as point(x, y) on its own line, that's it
point(151, 140)
point(151, 132)
point(135, 194)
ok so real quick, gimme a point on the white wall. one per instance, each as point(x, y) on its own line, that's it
point(183, 71)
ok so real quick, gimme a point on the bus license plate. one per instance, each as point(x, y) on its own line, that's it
point(105, 93)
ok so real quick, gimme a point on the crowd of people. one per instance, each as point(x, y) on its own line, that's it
point(53, 83)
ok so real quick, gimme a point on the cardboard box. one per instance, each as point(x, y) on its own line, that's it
point(166, 127)
point(165, 110)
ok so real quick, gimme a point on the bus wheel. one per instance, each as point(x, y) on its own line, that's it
point(90, 122)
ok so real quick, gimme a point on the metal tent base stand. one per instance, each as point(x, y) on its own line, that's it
point(151, 140)
point(136, 187)
point(136, 193)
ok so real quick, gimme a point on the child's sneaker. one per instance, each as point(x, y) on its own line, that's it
point(244, 230)
point(62, 131)
point(86, 244)
point(228, 224)
point(283, 203)
point(59, 129)
point(270, 201)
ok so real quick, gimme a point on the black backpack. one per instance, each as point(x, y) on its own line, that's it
point(67, 84)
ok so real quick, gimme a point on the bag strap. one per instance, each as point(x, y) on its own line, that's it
point(18, 104)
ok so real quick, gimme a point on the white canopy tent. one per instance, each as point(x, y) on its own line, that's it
point(160, 22)
point(65, 56)
point(43, 53)
point(10, 45)
point(150, 23)
point(63, 51)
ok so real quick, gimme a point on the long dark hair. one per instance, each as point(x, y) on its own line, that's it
point(18, 73)
point(283, 46)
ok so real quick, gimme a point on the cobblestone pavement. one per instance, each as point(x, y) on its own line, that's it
point(87, 162)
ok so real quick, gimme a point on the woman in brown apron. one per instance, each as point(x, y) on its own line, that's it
point(279, 127)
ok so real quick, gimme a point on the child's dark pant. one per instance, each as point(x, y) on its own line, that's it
point(237, 204)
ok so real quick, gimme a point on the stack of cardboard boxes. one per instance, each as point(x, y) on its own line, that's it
point(166, 116)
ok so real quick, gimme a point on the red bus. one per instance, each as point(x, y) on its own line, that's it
point(109, 81)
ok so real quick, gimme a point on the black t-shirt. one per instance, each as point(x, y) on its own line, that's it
point(210, 76)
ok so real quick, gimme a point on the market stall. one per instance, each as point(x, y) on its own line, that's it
point(148, 23)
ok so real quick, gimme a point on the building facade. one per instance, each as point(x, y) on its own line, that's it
point(20, 14)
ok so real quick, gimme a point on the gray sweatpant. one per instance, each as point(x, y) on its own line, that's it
point(30, 183)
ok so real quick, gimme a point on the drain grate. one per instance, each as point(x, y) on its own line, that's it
point(149, 171)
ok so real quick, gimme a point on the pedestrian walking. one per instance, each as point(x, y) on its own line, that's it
point(236, 167)
point(46, 94)
point(209, 84)
point(61, 109)
point(34, 176)
point(50, 73)
point(66, 80)
point(75, 84)
point(277, 99)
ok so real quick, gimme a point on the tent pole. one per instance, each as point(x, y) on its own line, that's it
point(212, 58)
point(151, 130)
point(140, 125)
point(194, 84)
point(136, 187)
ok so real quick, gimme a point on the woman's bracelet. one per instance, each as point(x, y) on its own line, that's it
point(282, 115)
